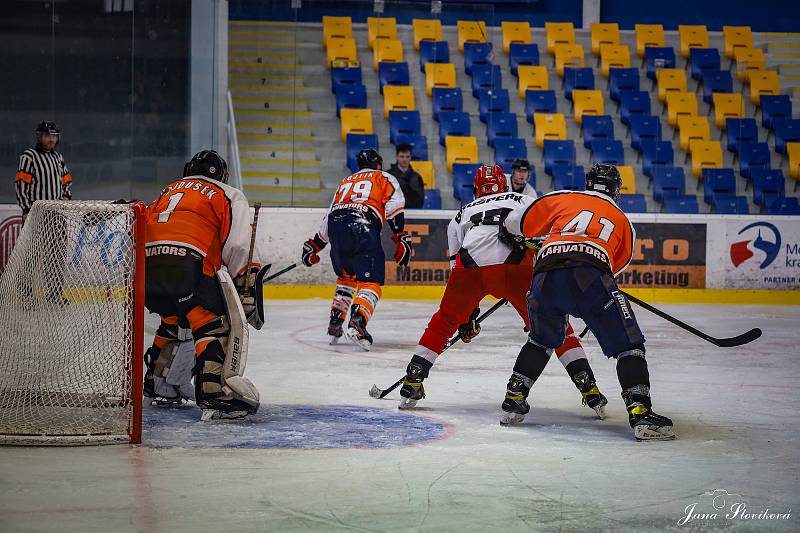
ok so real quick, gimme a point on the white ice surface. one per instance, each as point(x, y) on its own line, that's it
point(735, 413)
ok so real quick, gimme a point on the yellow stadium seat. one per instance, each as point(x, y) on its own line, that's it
point(693, 128)
point(679, 104)
point(749, 60)
point(705, 154)
point(587, 102)
point(426, 30)
point(648, 35)
point(380, 28)
point(439, 75)
point(397, 98)
point(736, 37)
point(355, 121)
point(604, 33)
point(425, 169)
point(568, 55)
point(515, 32)
point(551, 126)
point(614, 56)
point(534, 77)
point(727, 105)
point(470, 31)
point(336, 27)
point(692, 37)
point(341, 50)
point(559, 33)
point(670, 80)
point(763, 82)
point(628, 180)
point(460, 150)
point(387, 51)
point(793, 150)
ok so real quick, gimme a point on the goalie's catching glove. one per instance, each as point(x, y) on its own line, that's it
point(470, 329)
point(403, 249)
point(310, 250)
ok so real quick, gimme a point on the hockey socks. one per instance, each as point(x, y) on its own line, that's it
point(364, 304)
point(342, 299)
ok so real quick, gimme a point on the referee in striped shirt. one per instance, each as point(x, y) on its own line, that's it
point(42, 173)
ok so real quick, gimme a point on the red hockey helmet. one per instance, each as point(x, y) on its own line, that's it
point(489, 180)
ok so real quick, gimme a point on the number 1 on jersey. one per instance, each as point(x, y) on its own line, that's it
point(173, 203)
point(580, 223)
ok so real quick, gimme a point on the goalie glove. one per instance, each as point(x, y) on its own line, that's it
point(310, 250)
point(469, 330)
point(403, 248)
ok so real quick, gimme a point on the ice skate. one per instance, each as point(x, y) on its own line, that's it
point(357, 329)
point(646, 424)
point(214, 408)
point(413, 390)
point(335, 330)
point(592, 396)
point(515, 406)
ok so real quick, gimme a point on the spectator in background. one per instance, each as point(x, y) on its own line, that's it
point(520, 174)
point(409, 179)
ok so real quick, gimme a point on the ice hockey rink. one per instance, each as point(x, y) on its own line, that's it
point(322, 455)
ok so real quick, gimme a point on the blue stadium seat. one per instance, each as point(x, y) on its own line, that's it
point(730, 205)
point(608, 152)
point(702, 60)
point(622, 79)
point(597, 128)
point(668, 181)
point(784, 206)
point(404, 123)
point(493, 101)
point(718, 182)
point(768, 186)
point(539, 102)
point(355, 143)
point(476, 54)
point(656, 154)
point(633, 103)
point(453, 123)
point(568, 177)
point(486, 77)
point(577, 79)
point(643, 128)
point(775, 107)
point(345, 77)
point(632, 203)
point(392, 74)
point(353, 97)
point(507, 150)
point(446, 100)
point(684, 205)
point(522, 54)
point(716, 81)
point(786, 130)
point(500, 126)
point(433, 52)
point(419, 146)
point(433, 199)
point(463, 175)
point(740, 130)
point(557, 153)
point(658, 58)
point(753, 156)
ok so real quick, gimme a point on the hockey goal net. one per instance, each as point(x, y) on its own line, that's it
point(71, 316)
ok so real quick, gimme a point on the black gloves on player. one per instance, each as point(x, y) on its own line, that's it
point(518, 242)
point(403, 249)
point(311, 248)
point(469, 330)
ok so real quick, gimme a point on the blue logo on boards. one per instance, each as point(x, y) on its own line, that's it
point(741, 252)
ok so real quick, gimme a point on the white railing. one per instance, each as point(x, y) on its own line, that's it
point(233, 148)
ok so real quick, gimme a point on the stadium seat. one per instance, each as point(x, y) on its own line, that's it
point(692, 128)
point(463, 176)
point(644, 128)
point(786, 131)
point(476, 54)
point(404, 123)
point(568, 177)
point(354, 97)
point(549, 126)
point(445, 99)
point(775, 108)
point(749, 61)
point(784, 206)
point(633, 103)
point(736, 37)
point(397, 98)
point(587, 102)
point(648, 35)
point(670, 80)
point(718, 182)
point(452, 124)
point(522, 54)
point(705, 154)
point(740, 130)
point(558, 153)
point(341, 52)
point(461, 150)
point(568, 55)
point(433, 52)
point(614, 56)
point(387, 51)
point(656, 154)
point(354, 143)
point(440, 75)
point(486, 77)
point(628, 179)
point(753, 155)
point(730, 205)
point(793, 151)
point(764, 82)
point(692, 37)
point(558, 33)
point(768, 186)
point(426, 30)
point(380, 28)
point(608, 152)
point(668, 181)
point(356, 121)
point(345, 78)
point(727, 106)
point(425, 169)
point(604, 33)
point(515, 33)
point(418, 143)
point(681, 205)
point(539, 102)
point(470, 31)
point(597, 128)
point(577, 78)
point(492, 101)
point(632, 203)
point(336, 28)
point(500, 126)
point(533, 77)
point(716, 81)
point(680, 104)
point(392, 74)
point(507, 150)
point(433, 199)
point(658, 58)
point(702, 60)
point(622, 79)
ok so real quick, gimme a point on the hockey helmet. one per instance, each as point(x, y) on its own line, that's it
point(604, 179)
point(521, 164)
point(47, 127)
point(489, 179)
point(207, 163)
point(369, 158)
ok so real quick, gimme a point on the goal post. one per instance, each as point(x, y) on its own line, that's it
point(72, 326)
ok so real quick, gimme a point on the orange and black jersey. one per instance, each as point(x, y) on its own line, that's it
point(580, 227)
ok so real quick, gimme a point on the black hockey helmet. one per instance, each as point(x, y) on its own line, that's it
point(521, 164)
point(369, 158)
point(47, 126)
point(604, 179)
point(207, 163)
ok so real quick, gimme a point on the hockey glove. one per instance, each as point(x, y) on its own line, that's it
point(469, 330)
point(245, 286)
point(311, 248)
point(516, 242)
point(403, 249)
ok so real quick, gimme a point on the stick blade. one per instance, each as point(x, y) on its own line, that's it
point(375, 392)
point(744, 338)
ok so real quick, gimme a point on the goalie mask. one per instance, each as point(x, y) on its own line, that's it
point(489, 180)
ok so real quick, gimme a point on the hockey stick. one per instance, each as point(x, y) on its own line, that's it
point(375, 392)
point(256, 209)
point(278, 273)
point(727, 342)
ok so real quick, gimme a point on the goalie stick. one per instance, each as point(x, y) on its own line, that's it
point(375, 392)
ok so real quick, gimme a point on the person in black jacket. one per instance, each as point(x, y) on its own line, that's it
point(409, 179)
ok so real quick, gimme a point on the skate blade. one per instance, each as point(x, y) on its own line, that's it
point(601, 411)
point(511, 419)
point(407, 403)
point(332, 340)
point(166, 402)
point(364, 344)
point(645, 432)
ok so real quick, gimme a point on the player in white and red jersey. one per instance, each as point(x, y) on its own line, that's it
point(484, 262)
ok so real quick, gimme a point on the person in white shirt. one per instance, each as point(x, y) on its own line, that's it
point(520, 174)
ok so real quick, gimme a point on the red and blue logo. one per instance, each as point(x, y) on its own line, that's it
point(741, 251)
